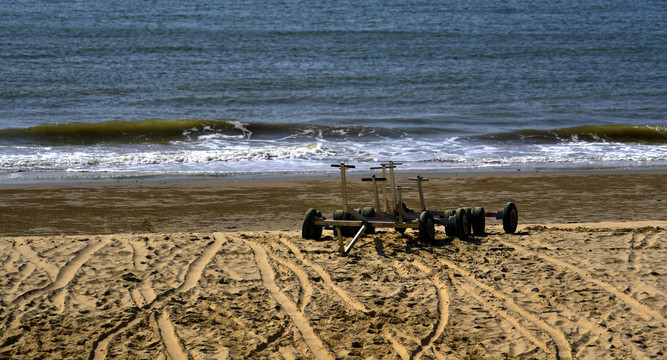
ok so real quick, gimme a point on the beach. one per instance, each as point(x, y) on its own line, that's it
point(215, 268)
point(157, 160)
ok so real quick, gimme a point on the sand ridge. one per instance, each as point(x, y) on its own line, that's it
point(548, 292)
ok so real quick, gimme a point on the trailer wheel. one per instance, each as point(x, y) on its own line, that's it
point(309, 230)
point(462, 226)
point(426, 227)
point(450, 230)
point(347, 231)
point(399, 229)
point(369, 212)
point(478, 220)
point(469, 215)
point(510, 218)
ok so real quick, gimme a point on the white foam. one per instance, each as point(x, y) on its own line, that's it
point(218, 154)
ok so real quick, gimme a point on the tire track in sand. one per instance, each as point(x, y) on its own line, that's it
point(135, 294)
point(24, 271)
point(10, 258)
point(509, 318)
point(443, 317)
point(640, 309)
point(33, 257)
point(298, 318)
point(564, 351)
point(169, 337)
point(587, 331)
point(443, 310)
point(196, 268)
point(67, 272)
point(58, 296)
point(101, 345)
point(601, 333)
point(166, 328)
point(306, 287)
point(139, 259)
point(632, 257)
point(304, 284)
point(398, 347)
point(326, 278)
point(390, 333)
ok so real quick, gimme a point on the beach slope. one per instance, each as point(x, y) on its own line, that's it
point(553, 290)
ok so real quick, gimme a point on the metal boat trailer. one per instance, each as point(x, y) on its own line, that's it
point(395, 214)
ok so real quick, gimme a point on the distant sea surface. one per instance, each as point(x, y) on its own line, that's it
point(109, 89)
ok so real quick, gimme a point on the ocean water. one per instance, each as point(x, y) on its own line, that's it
point(132, 88)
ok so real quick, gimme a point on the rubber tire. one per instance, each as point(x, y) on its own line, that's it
point(510, 218)
point(308, 229)
point(462, 226)
point(400, 230)
point(369, 212)
point(339, 215)
point(347, 231)
point(426, 227)
point(405, 208)
point(469, 214)
point(478, 220)
point(450, 230)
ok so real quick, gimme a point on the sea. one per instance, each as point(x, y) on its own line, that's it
point(93, 89)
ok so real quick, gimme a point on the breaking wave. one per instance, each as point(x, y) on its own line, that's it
point(166, 130)
point(641, 134)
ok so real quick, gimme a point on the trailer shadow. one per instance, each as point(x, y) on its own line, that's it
point(411, 242)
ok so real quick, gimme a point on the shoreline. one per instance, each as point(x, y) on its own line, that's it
point(58, 178)
point(217, 268)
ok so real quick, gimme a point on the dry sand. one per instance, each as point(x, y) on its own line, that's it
point(151, 270)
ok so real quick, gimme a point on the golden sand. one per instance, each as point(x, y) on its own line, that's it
point(214, 269)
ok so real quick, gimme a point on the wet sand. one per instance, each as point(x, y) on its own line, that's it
point(212, 204)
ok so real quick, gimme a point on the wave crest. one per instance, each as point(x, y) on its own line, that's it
point(166, 130)
point(149, 130)
point(642, 134)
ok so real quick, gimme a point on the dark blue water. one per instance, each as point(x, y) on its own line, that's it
point(435, 84)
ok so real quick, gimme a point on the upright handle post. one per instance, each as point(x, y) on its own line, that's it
point(397, 206)
point(343, 167)
point(419, 180)
point(390, 165)
point(375, 179)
